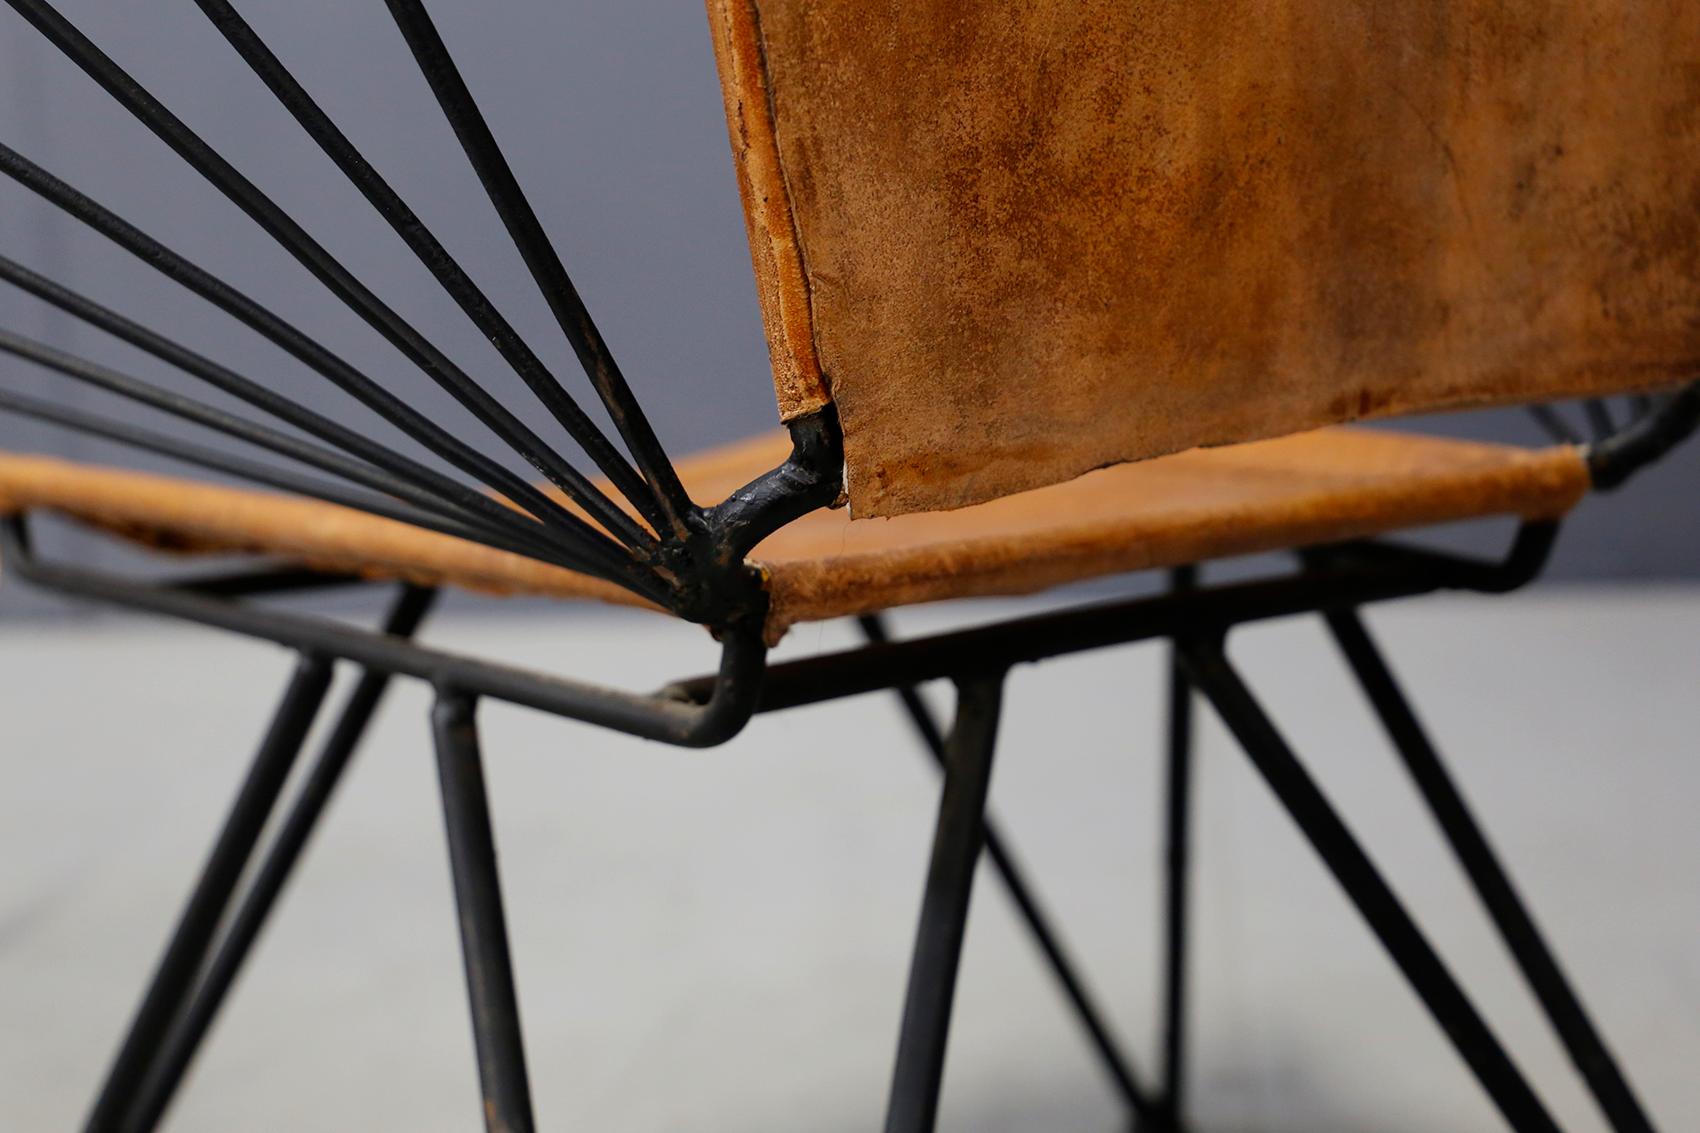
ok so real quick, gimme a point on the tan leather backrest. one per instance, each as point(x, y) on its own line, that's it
point(1014, 241)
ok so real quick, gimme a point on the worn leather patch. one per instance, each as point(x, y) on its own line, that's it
point(1022, 241)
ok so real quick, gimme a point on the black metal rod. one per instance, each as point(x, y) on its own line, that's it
point(283, 479)
point(1208, 669)
point(1646, 438)
point(1564, 1010)
point(925, 1031)
point(1366, 572)
point(423, 485)
point(1177, 843)
point(1553, 425)
point(177, 1052)
point(276, 442)
point(1013, 875)
point(483, 928)
point(454, 280)
point(183, 956)
point(263, 581)
point(305, 349)
point(1599, 417)
point(313, 256)
point(503, 188)
point(657, 717)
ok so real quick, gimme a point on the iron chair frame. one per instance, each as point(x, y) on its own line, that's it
point(690, 560)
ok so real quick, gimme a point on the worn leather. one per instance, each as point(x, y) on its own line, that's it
point(1013, 242)
point(1295, 491)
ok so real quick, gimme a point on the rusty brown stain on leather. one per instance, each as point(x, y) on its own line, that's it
point(1045, 237)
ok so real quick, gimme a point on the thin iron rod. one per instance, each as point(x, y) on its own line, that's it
point(540, 257)
point(176, 448)
point(263, 437)
point(1208, 668)
point(1555, 426)
point(173, 977)
point(1177, 837)
point(1587, 1049)
point(1368, 572)
point(454, 280)
point(265, 581)
point(421, 480)
point(1599, 418)
point(313, 256)
point(1010, 871)
point(310, 352)
point(483, 927)
point(657, 716)
point(957, 840)
point(181, 1043)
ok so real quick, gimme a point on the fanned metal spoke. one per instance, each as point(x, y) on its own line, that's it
point(431, 487)
point(1599, 418)
point(313, 256)
point(280, 444)
point(177, 449)
point(566, 530)
point(1555, 426)
point(442, 265)
point(540, 257)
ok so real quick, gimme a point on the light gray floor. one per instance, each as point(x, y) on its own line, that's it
point(717, 940)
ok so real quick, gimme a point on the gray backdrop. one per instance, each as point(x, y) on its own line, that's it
point(611, 117)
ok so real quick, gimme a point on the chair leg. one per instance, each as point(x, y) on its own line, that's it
point(175, 1055)
point(957, 839)
point(1493, 885)
point(1208, 668)
point(1177, 860)
point(483, 928)
point(1010, 871)
point(175, 974)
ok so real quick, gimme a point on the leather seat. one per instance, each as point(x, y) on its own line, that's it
point(1332, 484)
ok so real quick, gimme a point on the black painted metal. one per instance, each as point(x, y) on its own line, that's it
point(177, 1051)
point(448, 272)
point(540, 258)
point(1599, 418)
point(658, 717)
point(407, 479)
point(422, 510)
point(1671, 420)
point(703, 713)
point(1177, 837)
point(194, 932)
point(308, 351)
point(919, 1071)
point(1014, 877)
point(1511, 917)
point(1554, 425)
point(1358, 573)
point(313, 256)
point(1208, 668)
point(483, 928)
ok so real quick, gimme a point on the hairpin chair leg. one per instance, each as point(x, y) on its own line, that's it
point(483, 928)
point(1510, 916)
point(174, 977)
point(1207, 665)
point(1013, 876)
point(175, 1054)
point(957, 839)
point(1176, 862)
